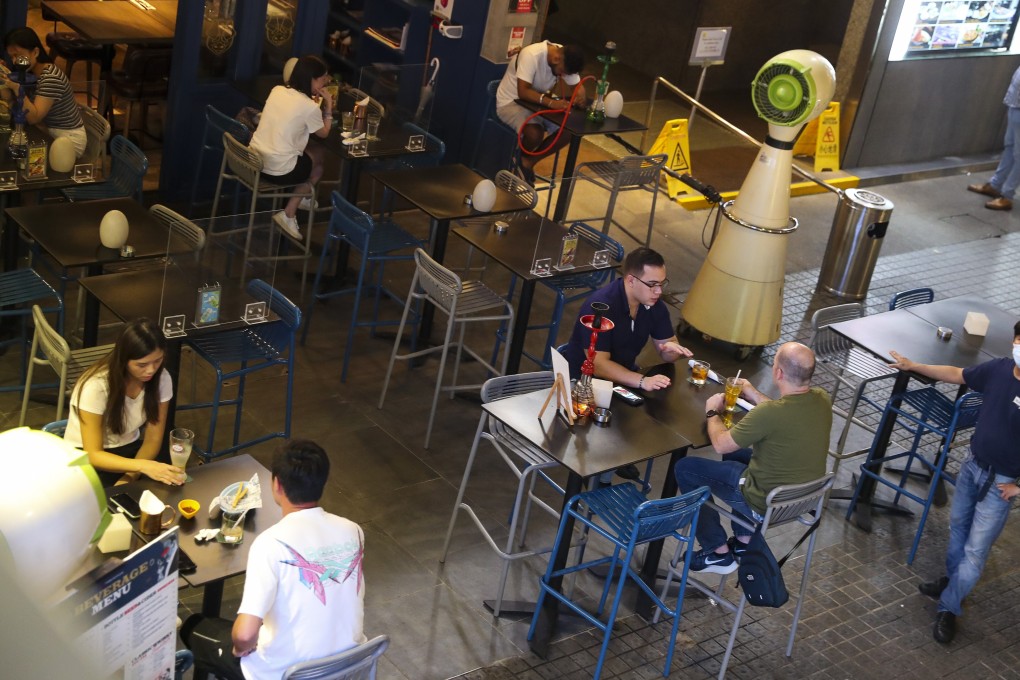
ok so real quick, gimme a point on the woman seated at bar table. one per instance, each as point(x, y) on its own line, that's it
point(53, 107)
point(290, 115)
point(119, 407)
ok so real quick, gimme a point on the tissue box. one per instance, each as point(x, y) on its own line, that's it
point(976, 323)
point(117, 536)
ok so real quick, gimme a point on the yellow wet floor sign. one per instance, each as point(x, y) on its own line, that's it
point(673, 142)
point(827, 144)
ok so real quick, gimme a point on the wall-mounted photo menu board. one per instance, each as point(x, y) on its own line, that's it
point(939, 27)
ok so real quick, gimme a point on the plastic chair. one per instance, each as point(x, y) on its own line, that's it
point(624, 516)
point(48, 347)
point(630, 173)
point(930, 412)
point(57, 427)
point(216, 123)
point(912, 297)
point(847, 365)
point(525, 460)
point(144, 79)
point(127, 171)
point(97, 131)
point(379, 243)
point(253, 348)
point(357, 663)
point(463, 302)
point(569, 289)
point(785, 504)
point(18, 288)
point(244, 165)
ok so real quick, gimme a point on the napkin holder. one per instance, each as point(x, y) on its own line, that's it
point(976, 323)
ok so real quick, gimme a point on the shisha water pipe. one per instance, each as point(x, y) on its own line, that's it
point(583, 394)
point(17, 149)
point(597, 112)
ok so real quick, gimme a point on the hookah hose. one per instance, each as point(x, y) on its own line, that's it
point(565, 112)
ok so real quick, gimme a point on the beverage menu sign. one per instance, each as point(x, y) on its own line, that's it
point(934, 27)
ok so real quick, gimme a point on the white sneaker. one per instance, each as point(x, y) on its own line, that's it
point(308, 204)
point(288, 225)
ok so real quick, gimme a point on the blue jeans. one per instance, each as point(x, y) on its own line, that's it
point(973, 528)
point(1007, 175)
point(723, 478)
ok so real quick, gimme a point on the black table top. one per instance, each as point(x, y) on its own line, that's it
point(439, 192)
point(952, 312)
point(215, 561)
point(53, 179)
point(118, 22)
point(69, 232)
point(681, 406)
point(632, 435)
point(529, 236)
point(147, 292)
point(577, 122)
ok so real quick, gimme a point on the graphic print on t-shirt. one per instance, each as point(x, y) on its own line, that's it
point(333, 563)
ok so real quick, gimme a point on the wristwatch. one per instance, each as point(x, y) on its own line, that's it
point(710, 413)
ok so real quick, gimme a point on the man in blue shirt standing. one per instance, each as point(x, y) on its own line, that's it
point(1003, 183)
point(988, 479)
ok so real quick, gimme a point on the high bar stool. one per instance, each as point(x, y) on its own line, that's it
point(911, 298)
point(785, 504)
point(625, 517)
point(930, 412)
point(216, 123)
point(463, 302)
point(525, 460)
point(18, 288)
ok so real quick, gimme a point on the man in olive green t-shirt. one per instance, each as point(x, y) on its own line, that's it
point(781, 441)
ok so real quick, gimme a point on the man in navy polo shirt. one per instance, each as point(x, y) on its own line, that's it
point(988, 479)
point(639, 314)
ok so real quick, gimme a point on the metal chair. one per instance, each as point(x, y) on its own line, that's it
point(624, 516)
point(630, 173)
point(507, 152)
point(72, 48)
point(57, 427)
point(144, 79)
point(930, 412)
point(244, 165)
point(910, 298)
point(127, 171)
point(97, 131)
point(785, 504)
point(463, 302)
point(379, 242)
point(216, 123)
point(513, 184)
point(847, 365)
point(18, 288)
point(357, 663)
point(48, 347)
point(254, 348)
point(569, 289)
point(525, 460)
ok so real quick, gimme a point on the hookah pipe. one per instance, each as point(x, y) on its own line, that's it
point(19, 75)
point(597, 324)
point(597, 112)
point(564, 112)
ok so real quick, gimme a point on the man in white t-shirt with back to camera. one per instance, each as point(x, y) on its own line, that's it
point(304, 589)
point(544, 73)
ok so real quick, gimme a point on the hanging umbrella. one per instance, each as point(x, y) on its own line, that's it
point(427, 88)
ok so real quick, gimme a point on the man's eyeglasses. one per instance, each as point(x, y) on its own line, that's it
point(661, 285)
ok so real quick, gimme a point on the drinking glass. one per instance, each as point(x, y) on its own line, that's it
point(373, 126)
point(699, 372)
point(232, 527)
point(181, 441)
point(347, 121)
point(732, 393)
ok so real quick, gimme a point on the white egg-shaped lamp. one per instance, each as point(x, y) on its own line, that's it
point(288, 68)
point(62, 155)
point(484, 195)
point(614, 104)
point(113, 230)
point(52, 508)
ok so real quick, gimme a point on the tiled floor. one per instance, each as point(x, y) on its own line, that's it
point(863, 617)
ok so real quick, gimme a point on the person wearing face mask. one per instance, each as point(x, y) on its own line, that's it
point(988, 480)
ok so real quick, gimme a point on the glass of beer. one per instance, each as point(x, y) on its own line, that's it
point(699, 372)
point(732, 393)
point(181, 441)
point(373, 126)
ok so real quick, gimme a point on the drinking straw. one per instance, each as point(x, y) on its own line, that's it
point(738, 374)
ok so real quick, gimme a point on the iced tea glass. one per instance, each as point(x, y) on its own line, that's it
point(699, 372)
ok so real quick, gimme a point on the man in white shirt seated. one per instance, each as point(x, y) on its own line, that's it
point(544, 73)
point(304, 589)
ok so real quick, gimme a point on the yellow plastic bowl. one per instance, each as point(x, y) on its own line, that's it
point(188, 508)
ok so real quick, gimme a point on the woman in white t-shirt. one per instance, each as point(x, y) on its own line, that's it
point(291, 114)
point(119, 407)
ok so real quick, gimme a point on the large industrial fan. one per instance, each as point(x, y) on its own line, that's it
point(738, 294)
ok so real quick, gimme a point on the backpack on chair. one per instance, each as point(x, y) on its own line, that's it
point(761, 576)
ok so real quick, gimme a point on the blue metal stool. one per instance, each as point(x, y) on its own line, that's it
point(255, 348)
point(379, 242)
point(127, 170)
point(930, 412)
point(18, 288)
point(625, 517)
point(216, 123)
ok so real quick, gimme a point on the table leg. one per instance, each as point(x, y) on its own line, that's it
point(10, 242)
point(539, 643)
point(212, 598)
point(438, 232)
point(516, 347)
point(90, 333)
point(568, 174)
point(645, 606)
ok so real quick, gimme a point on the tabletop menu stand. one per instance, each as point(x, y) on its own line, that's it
point(562, 399)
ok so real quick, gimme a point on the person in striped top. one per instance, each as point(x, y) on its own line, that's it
point(53, 107)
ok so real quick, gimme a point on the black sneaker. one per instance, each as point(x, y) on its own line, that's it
point(708, 562)
point(933, 589)
point(737, 547)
